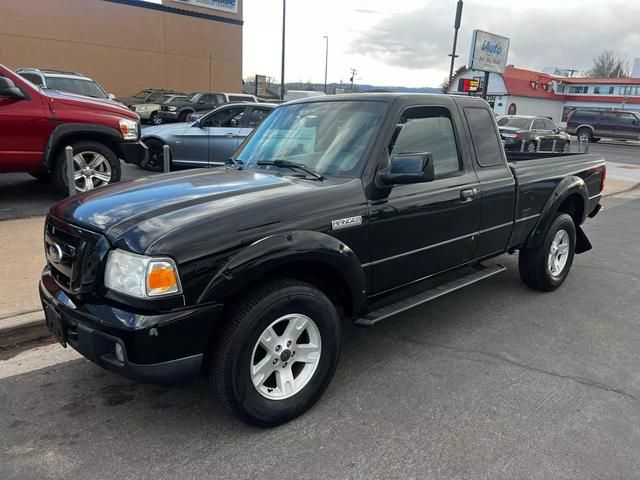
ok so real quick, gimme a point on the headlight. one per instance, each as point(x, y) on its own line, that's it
point(173, 109)
point(141, 276)
point(129, 129)
point(142, 108)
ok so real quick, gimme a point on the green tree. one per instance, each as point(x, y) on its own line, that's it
point(610, 64)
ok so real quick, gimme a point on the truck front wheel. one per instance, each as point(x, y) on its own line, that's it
point(95, 165)
point(547, 266)
point(278, 353)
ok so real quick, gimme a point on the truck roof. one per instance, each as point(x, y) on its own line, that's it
point(418, 98)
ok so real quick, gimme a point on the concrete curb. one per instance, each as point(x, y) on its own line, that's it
point(23, 328)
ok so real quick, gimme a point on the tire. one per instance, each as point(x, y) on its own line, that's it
point(532, 147)
point(155, 162)
point(107, 171)
point(536, 267)
point(259, 400)
point(41, 176)
point(585, 134)
point(155, 119)
point(183, 116)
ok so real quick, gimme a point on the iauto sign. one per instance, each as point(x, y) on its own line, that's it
point(489, 52)
point(230, 6)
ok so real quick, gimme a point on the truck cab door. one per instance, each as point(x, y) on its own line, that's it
point(425, 228)
point(607, 125)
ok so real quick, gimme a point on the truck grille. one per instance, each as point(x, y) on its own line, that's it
point(75, 256)
point(164, 108)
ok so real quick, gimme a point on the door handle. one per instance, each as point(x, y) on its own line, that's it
point(230, 135)
point(467, 195)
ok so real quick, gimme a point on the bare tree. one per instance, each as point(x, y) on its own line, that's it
point(610, 64)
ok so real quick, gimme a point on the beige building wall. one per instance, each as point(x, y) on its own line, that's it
point(125, 48)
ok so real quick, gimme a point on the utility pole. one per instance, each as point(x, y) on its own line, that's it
point(326, 62)
point(284, 23)
point(354, 72)
point(456, 26)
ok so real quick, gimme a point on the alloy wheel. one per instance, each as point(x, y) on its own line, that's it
point(558, 253)
point(91, 170)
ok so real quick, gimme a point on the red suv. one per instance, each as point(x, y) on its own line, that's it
point(36, 125)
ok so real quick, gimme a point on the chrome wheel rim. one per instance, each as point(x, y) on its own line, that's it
point(531, 147)
point(91, 170)
point(558, 253)
point(285, 357)
point(566, 148)
point(155, 119)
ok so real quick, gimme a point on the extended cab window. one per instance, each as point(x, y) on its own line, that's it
point(485, 137)
point(428, 130)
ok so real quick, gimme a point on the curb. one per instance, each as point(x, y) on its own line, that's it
point(23, 328)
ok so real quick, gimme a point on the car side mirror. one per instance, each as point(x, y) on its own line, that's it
point(555, 130)
point(112, 96)
point(408, 168)
point(8, 89)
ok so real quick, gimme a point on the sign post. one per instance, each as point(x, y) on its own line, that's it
point(489, 54)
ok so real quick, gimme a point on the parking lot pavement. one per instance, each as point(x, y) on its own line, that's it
point(22, 196)
point(495, 381)
point(617, 152)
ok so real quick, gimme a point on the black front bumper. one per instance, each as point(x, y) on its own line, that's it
point(164, 349)
point(135, 153)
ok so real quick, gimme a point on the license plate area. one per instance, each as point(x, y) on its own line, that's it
point(54, 323)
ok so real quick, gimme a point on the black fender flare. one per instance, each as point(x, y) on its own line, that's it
point(66, 129)
point(277, 251)
point(188, 110)
point(568, 186)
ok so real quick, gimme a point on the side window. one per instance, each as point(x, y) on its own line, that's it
point(239, 98)
point(538, 124)
point(229, 118)
point(206, 99)
point(488, 148)
point(549, 125)
point(220, 99)
point(608, 118)
point(628, 119)
point(257, 116)
point(33, 78)
point(428, 130)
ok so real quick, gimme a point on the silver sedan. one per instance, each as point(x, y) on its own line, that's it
point(209, 141)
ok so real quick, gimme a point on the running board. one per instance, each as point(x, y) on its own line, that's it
point(376, 316)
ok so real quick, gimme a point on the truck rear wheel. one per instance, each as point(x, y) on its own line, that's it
point(95, 165)
point(278, 353)
point(547, 266)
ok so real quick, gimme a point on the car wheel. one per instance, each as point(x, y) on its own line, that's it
point(547, 266)
point(532, 147)
point(155, 119)
point(278, 353)
point(41, 176)
point(155, 161)
point(95, 165)
point(585, 135)
point(183, 116)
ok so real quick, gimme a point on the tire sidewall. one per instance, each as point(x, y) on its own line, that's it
point(561, 222)
point(294, 300)
point(85, 146)
point(153, 144)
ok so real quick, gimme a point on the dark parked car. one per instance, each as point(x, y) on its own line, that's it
point(208, 141)
point(148, 95)
point(531, 134)
point(591, 125)
point(329, 212)
point(179, 110)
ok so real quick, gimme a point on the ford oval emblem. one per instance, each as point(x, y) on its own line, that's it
point(55, 253)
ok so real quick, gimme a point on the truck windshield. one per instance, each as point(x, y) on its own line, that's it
point(327, 137)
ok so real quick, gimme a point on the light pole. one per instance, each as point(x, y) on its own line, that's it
point(284, 24)
point(326, 62)
point(456, 26)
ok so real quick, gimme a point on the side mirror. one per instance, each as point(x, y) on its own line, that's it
point(112, 96)
point(555, 130)
point(8, 89)
point(408, 168)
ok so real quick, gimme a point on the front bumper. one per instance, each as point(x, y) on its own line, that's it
point(165, 349)
point(135, 153)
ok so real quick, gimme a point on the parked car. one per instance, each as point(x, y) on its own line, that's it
point(65, 82)
point(148, 95)
point(209, 141)
point(179, 110)
point(591, 125)
point(246, 272)
point(531, 134)
point(37, 124)
point(150, 112)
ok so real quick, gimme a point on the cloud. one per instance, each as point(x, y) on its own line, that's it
point(566, 34)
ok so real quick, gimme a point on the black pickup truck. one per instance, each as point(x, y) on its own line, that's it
point(353, 206)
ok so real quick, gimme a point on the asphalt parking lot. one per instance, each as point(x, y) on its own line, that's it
point(494, 381)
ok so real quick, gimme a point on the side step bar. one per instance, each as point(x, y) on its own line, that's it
point(371, 318)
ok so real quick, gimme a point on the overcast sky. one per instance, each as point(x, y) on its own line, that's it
point(407, 42)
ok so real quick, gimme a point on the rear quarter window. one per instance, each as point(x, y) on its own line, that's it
point(485, 137)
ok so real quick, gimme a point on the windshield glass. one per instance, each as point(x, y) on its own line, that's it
point(515, 122)
point(194, 97)
point(76, 85)
point(328, 137)
point(142, 94)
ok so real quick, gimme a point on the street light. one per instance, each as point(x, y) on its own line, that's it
point(326, 62)
point(284, 23)
point(456, 26)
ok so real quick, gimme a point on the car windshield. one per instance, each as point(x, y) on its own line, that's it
point(515, 122)
point(76, 85)
point(327, 137)
point(194, 97)
point(142, 94)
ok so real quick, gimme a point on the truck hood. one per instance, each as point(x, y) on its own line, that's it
point(185, 213)
point(80, 101)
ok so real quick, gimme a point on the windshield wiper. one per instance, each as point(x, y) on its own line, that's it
point(292, 166)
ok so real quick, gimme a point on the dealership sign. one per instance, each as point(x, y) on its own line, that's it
point(230, 6)
point(489, 52)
